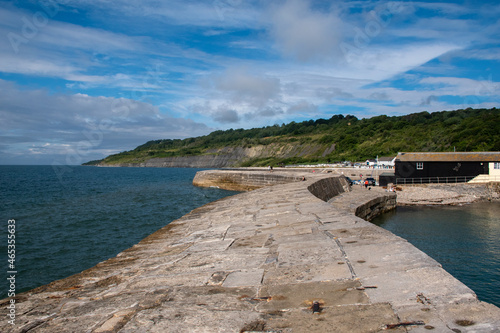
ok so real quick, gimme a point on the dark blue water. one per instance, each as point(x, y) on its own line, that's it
point(465, 240)
point(68, 220)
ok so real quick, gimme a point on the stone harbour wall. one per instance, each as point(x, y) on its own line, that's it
point(274, 259)
point(374, 207)
point(253, 178)
point(246, 180)
point(328, 188)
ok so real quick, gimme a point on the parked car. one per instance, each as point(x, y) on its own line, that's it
point(371, 181)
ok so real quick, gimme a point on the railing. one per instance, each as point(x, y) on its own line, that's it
point(433, 180)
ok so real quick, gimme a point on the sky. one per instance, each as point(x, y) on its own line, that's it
point(83, 79)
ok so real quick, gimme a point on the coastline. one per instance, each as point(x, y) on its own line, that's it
point(256, 261)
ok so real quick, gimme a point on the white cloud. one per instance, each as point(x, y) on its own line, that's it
point(490, 54)
point(55, 49)
point(463, 86)
point(303, 107)
point(38, 67)
point(225, 115)
point(331, 93)
point(46, 123)
point(23, 28)
point(215, 13)
point(303, 33)
point(240, 86)
point(379, 63)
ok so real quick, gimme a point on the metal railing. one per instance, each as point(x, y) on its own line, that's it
point(433, 180)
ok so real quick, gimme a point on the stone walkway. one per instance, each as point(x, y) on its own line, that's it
point(276, 259)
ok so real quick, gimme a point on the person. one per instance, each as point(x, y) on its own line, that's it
point(366, 183)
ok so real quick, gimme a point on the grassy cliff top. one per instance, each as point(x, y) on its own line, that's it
point(339, 138)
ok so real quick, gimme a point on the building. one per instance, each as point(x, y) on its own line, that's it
point(381, 162)
point(386, 162)
point(371, 162)
point(445, 167)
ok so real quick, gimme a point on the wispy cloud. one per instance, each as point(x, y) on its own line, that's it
point(243, 87)
point(65, 125)
point(304, 33)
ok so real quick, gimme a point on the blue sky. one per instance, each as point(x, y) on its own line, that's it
point(80, 80)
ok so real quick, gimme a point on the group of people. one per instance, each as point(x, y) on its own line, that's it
point(363, 182)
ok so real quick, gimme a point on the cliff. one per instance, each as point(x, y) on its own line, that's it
point(231, 156)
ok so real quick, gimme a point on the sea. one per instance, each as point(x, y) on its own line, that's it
point(58, 221)
point(465, 240)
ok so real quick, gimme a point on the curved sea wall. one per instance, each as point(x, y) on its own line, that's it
point(274, 259)
point(329, 187)
point(245, 180)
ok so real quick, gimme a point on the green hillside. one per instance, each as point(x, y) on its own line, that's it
point(339, 138)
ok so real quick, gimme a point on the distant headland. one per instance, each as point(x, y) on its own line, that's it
point(338, 139)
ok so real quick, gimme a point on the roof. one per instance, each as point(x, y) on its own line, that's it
point(381, 159)
point(493, 156)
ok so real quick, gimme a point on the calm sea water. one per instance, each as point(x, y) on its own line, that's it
point(464, 239)
point(66, 223)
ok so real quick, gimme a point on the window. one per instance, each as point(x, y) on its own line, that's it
point(496, 165)
point(420, 165)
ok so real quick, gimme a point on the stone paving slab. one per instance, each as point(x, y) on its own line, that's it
point(244, 278)
point(277, 259)
point(288, 274)
point(368, 318)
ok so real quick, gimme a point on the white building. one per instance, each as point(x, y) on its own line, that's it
point(381, 162)
point(387, 161)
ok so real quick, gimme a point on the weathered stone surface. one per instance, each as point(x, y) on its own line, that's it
point(244, 180)
point(244, 278)
point(447, 194)
point(258, 262)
